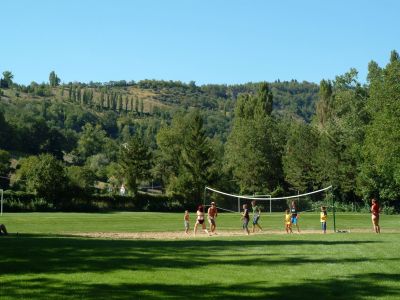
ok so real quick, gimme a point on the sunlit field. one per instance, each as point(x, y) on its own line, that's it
point(46, 261)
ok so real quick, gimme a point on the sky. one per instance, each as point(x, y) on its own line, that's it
point(207, 41)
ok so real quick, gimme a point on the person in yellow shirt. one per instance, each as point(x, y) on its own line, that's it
point(288, 223)
point(323, 217)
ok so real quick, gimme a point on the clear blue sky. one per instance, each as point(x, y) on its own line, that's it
point(208, 41)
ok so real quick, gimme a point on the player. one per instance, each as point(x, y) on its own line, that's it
point(200, 220)
point(295, 217)
point(288, 223)
point(212, 213)
point(245, 218)
point(256, 215)
point(186, 221)
point(3, 229)
point(375, 210)
point(323, 217)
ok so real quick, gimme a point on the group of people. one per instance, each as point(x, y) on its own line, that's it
point(291, 218)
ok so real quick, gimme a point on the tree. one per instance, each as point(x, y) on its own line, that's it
point(5, 158)
point(135, 161)
point(141, 107)
point(43, 175)
point(254, 149)
point(53, 79)
point(323, 106)
point(170, 139)
point(137, 105)
point(6, 82)
point(5, 132)
point(380, 175)
point(299, 156)
point(81, 180)
point(340, 120)
point(91, 141)
point(196, 161)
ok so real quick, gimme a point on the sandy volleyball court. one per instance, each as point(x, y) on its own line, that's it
point(181, 235)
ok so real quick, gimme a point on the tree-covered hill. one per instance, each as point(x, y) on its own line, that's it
point(272, 138)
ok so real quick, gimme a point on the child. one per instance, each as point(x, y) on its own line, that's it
point(186, 221)
point(288, 223)
point(256, 215)
point(245, 218)
point(324, 216)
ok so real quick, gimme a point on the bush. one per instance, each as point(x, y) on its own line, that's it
point(17, 201)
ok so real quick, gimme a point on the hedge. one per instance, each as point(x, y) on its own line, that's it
point(18, 201)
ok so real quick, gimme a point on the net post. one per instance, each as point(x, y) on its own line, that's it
point(238, 205)
point(2, 198)
point(333, 210)
point(204, 198)
point(270, 204)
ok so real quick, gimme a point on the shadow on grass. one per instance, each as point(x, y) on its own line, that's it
point(54, 254)
point(351, 287)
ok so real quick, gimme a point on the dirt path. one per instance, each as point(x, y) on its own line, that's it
point(181, 235)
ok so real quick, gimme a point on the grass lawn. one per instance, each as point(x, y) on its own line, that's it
point(44, 262)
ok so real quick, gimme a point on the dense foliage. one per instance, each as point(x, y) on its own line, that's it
point(61, 141)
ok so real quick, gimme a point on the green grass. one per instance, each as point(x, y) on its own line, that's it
point(61, 223)
point(43, 262)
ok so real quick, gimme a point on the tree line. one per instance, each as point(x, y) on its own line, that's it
point(349, 140)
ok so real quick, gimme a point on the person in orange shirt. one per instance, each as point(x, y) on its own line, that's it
point(375, 210)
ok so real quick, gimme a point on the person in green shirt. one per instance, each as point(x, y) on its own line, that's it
point(256, 215)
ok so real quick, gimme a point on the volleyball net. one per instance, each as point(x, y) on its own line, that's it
point(311, 201)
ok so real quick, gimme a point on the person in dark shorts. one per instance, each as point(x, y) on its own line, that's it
point(246, 219)
point(200, 220)
point(295, 216)
point(256, 215)
point(212, 214)
point(3, 229)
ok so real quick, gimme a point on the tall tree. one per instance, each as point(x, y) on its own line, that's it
point(380, 170)
point(53, 79)
point(253, 150)
point(135, 162)
point(196, 160)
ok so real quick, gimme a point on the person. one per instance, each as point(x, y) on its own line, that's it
point(323, 217)
point(288, 223)
point(295, 216)
point(246, 219)
point(256, 215)
point(122, 190)
point(186, 221)
point(3, 229)
point(212, 213)
point(200, 220)
point(375, 210)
